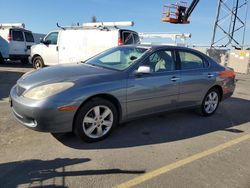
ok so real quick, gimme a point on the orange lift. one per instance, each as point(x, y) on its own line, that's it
point(179, 12)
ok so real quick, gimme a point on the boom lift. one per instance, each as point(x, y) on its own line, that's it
point(230, 23)
point(178, 13)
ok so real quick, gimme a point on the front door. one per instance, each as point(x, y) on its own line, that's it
point(156, 91)
point(50, 49)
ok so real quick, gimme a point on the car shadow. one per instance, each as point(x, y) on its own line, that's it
point(169, 127)
point(15, 64)
point(36, 172)
point(7, 81)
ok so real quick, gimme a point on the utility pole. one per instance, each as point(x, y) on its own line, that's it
point(230, 24)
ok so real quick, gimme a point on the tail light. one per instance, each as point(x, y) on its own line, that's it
point(227, 74)
point(120, 42)
point(9, 38)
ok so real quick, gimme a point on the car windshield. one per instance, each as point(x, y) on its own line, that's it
point(119, 58)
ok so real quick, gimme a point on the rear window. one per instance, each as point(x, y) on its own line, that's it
point(136, 38)
point(29, 37)
point(128, 38)
point(17, 35)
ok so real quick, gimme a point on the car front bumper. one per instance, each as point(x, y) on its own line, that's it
point(41, 116)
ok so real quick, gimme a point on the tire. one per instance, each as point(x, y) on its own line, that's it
point(89, 124)
point(1, 59)
point(38, 62)
point(210, 102)
point(25, 61)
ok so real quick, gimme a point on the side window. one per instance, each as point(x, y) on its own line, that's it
point(128, 38)
point(161, 61)
point(29, 37)
point(52, 38)
point(136, 38)
point(190, 61)
point(17, 35)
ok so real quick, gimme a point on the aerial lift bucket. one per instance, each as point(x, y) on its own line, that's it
point(174, 13)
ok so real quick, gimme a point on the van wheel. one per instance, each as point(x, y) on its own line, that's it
point(95, 120)
point(38, 62)
point(1, 59)
point(25, 61)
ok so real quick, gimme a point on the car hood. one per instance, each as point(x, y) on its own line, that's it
point(63, 73)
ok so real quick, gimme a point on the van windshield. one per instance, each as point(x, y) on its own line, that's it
point(119, 58)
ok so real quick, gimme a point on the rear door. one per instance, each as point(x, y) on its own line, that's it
point(195, 78)
point(29, 39)
point(157, 91)
point(17, 43)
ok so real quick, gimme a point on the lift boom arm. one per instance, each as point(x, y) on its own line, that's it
point(190, 9)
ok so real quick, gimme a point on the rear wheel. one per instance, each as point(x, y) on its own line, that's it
point(210, 102)
point(95, 120)
point(38, 62)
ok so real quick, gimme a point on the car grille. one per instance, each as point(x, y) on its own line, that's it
point(19, 90)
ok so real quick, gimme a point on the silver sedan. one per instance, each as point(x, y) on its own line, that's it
point(123, 83)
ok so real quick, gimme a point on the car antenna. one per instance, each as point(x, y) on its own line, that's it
point(60, 26)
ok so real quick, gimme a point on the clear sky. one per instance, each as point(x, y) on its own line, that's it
point(42, 16)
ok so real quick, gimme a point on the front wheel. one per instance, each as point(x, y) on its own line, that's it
point(38, 62)
point(210, 102)
point(95, 120)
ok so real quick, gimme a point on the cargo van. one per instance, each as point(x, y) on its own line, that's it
point(15, 42)
point(79, 43)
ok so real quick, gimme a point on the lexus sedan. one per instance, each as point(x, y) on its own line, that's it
point(90, 98)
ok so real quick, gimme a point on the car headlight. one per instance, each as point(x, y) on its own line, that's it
point(44, 91)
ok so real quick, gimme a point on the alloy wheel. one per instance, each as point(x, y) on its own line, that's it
point(211, 102)
point(98, 121)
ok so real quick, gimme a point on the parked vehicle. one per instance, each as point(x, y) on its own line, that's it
point(75, 44)
point(120, 84)
point(15, 42)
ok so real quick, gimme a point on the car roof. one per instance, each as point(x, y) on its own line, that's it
point(159, 46)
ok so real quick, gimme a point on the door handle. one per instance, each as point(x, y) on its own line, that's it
point(174, 79)
point(209, 75)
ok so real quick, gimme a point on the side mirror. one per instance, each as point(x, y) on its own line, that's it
point(41, 40)
point(143, 70)
point(46, 42)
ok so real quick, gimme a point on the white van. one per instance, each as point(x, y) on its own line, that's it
point(15, 42)
point(75, 44)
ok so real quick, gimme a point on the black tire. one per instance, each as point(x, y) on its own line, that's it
point(85, 110)
point(202, 110)
point(25, 61)
point(1, 59)
point(38, 62)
